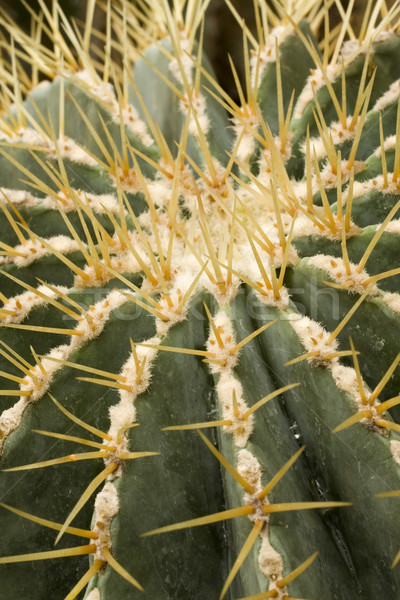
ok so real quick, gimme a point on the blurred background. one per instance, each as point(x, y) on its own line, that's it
point(222, 33)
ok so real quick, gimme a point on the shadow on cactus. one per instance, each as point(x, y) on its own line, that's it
point(200, 307)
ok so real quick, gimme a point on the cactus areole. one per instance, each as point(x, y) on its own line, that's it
point(200, 307)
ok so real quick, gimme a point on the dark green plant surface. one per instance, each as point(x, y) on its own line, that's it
point(200, 310)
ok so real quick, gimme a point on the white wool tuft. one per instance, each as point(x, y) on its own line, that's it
point(106, 506)
point(241, 428)
point(314, 338)
point(131, 119)
point(267, 55)
point(337, 132)
point(392, 300)
point(11, 418)
point(389, 97)
point(33, 250)
point(94, 595)
point(361, 188)
point(99, 315)
point(269, 560)
point(224, 354)
point(314, 82)
point(22, 304)
point(395, 450)
point(346, 380)
point(250, 469)
point(336, 269)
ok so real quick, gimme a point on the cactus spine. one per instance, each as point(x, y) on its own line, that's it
point(200, 307)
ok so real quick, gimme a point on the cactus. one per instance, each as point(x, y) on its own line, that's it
point(200, 307)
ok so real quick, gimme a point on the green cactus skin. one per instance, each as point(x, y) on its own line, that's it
point(200, 309)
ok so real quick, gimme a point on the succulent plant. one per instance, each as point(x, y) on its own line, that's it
point(200, 309)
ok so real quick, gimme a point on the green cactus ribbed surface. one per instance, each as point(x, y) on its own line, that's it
point(200, 307)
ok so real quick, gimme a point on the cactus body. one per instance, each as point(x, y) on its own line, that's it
point(200, 311)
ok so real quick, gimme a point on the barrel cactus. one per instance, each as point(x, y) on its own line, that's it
point(200, 309)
